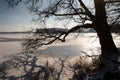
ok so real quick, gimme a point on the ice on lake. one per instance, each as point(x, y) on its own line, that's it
point(11, 44)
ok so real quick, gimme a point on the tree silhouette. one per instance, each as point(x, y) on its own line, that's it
point(103, 14)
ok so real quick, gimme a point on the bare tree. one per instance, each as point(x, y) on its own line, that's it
point(99, 14)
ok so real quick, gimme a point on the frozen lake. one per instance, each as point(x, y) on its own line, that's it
point(11, 44)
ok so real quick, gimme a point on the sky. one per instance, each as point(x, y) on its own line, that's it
point(18, 19)
point(15, 19)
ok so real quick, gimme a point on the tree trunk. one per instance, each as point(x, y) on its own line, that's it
point(109, 52)
point(106, 40)
point(108, 48)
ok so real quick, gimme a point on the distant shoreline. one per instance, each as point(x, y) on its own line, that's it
point(32, 32)
point(15, 32)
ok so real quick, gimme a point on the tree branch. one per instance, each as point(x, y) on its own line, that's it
point(66, 14)
point(86, 9)
point(46, 38)
point(112, 1)
point(76, 28)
